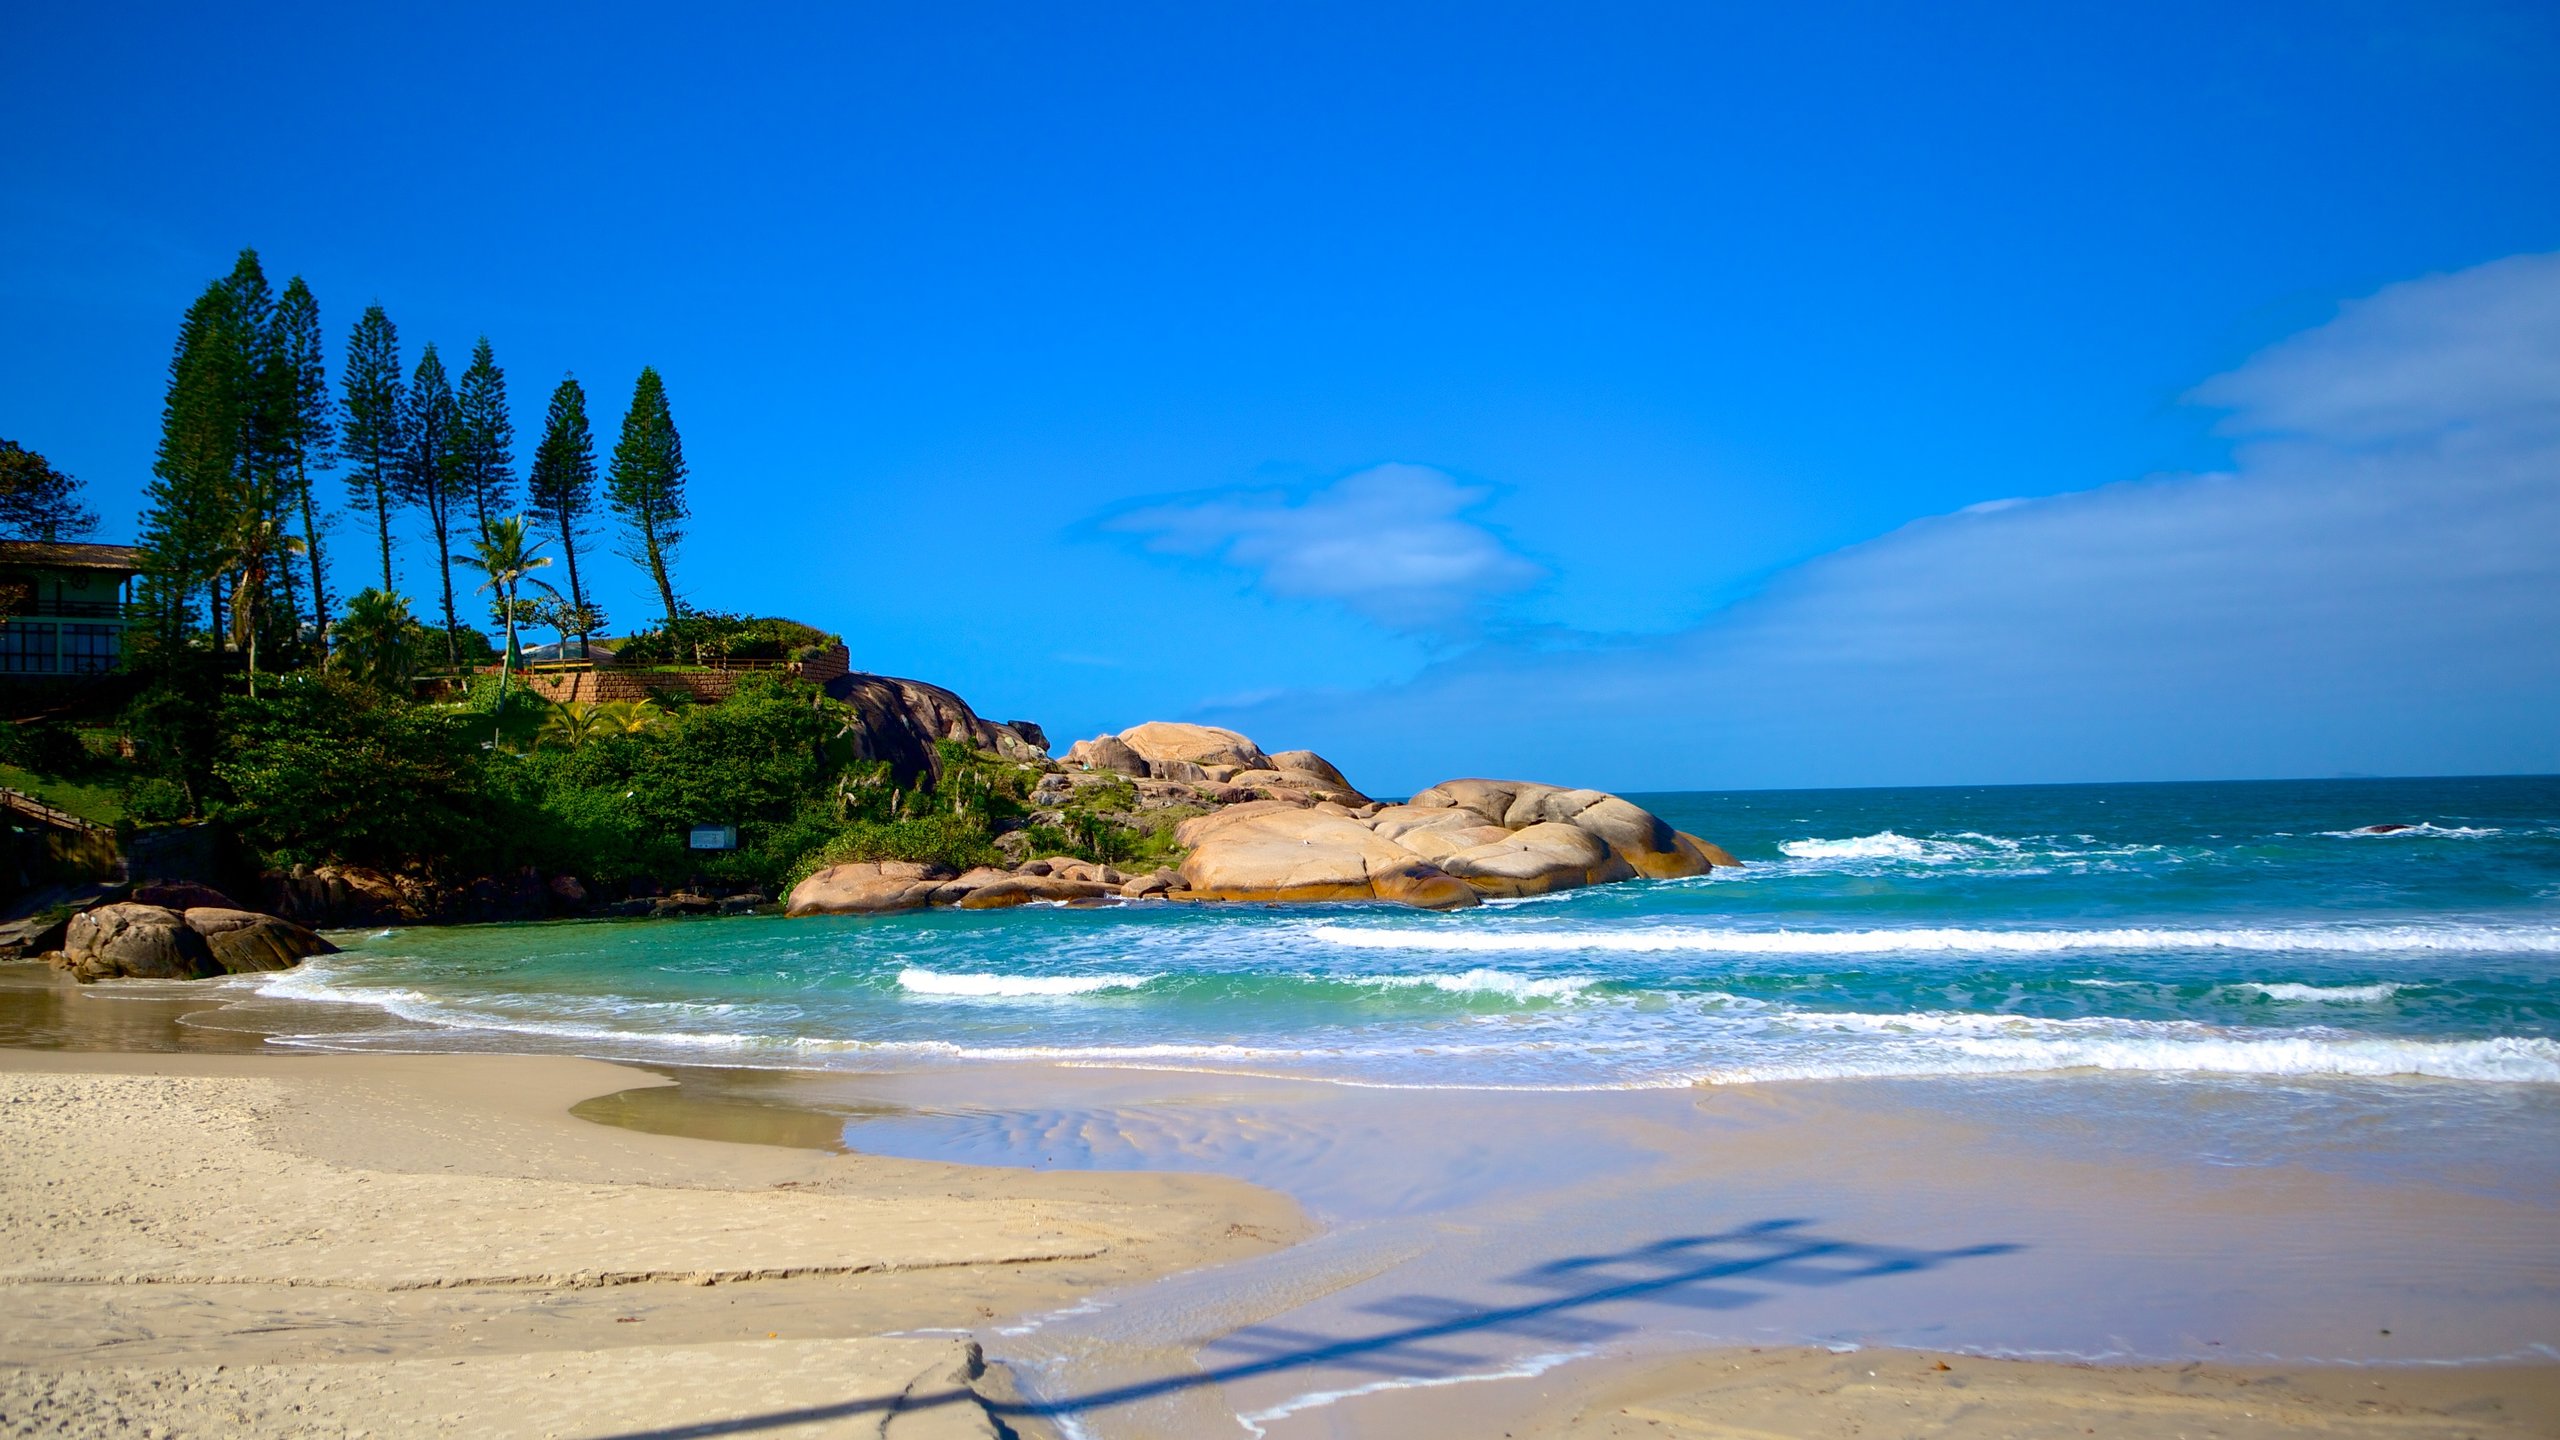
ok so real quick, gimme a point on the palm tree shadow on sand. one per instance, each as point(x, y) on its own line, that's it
point(1726, 1271)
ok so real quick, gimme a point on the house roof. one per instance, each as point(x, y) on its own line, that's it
point(72, 555)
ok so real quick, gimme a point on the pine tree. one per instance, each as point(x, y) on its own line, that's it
point(646, 487)
point(186, 510)
point(253, 506)
point(563, 481)
point(485, 449)
point(430, 471)
point(375, 436)
point(313, 437)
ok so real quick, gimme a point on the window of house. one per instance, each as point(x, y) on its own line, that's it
point(28, 647)
point(89, 649)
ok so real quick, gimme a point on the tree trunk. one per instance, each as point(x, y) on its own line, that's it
point(444, 567)
point(658, 572)
point(311, 549)
point(382, 518)
point(577, 598)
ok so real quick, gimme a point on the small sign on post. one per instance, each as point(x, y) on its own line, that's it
point(715, 837)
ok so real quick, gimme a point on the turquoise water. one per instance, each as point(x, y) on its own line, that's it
point(2228, 932)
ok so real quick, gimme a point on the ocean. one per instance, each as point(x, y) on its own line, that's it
point(2221, 932)
point(2242, 1072)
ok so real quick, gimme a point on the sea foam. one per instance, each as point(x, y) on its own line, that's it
point(2323, 994)
point(1486, 982)
point(1012, 987)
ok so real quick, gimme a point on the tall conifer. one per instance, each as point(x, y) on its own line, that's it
point(486, 439)
point(430, 472)
point(563, 480)
point(313, 437)
point(186, 504)
point(375, 436)
point(646, 487)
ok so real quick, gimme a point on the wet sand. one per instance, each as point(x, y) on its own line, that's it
point(512, 1245)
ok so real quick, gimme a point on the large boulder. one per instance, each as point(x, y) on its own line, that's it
point(1311, 763)
point(1300, 785)
point(244, 941)
point(1644, 841)
point(141, 942)
point(1207, 746)
point(1107, 753)
point(1031, 889)
point(1537, 859)
point(866, 887)
point(1273, 851)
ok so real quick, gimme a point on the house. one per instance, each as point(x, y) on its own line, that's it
point(63, 606)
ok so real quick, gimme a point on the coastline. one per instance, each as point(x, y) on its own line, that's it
point(551, 1337)
point(288, 1243)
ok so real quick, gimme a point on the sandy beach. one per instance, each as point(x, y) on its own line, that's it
point(326, 1245)
point(316, 1244)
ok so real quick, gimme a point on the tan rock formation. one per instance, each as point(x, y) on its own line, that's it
point(1107, 753)
point(1207, 746)
point(141, 942)
point(866, 887)
point(1311, 763)
point(244, 941)
point(1031, 889)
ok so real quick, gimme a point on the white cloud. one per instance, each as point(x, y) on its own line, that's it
point(2374, 586)
point(1393, 542)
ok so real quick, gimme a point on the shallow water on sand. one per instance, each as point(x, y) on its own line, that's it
point(2216, 1071)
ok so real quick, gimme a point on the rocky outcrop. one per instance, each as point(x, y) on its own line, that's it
point(140, 942)
point(1275, 850)
point(348, 895)
point(1163, 742)
point(1207, 764)
point(244, 941)
point(1109, 754)
point(899, 721)
point(867, 887)
point(1288, 827)
point(154, 942)
point(1448, 847)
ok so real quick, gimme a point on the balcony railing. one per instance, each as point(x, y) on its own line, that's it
point(64, 610)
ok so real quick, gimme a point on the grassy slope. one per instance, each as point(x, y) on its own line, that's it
point(94, 802)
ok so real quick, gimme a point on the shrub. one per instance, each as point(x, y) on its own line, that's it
point(152, 800)
point(50, 748)
point(958, 841)
point(322, 768)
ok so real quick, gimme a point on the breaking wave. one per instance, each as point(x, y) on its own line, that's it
point(1012, 987)
point(2327, 994)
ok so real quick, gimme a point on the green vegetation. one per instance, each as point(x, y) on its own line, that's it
point(38, 501)
point(647, 485)
point(314, 733)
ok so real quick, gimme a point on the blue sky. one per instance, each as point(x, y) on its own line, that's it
point(1597, 393)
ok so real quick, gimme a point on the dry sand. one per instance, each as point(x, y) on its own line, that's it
point(405, 1244)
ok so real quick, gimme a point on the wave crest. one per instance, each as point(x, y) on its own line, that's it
point(918, 981)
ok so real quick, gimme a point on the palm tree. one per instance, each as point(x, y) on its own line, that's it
point(570, 724)
point(628, 717)
point(258, 547)
point(373, 639)
point(503, 554)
